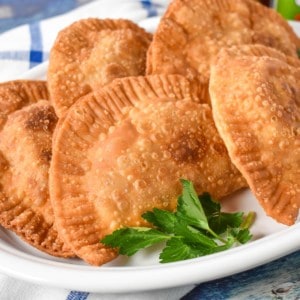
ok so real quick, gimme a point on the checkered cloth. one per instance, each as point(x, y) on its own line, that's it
point(27, 46)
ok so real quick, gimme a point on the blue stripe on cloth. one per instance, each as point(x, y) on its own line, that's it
point(73, 295)
point(150, 7)
point(36, 53)
point(20, 55)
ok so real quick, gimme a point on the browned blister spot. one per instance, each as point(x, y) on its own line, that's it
point(188, 148)
point(3, 163)
point(258, 117)
point(191, 33)
point(141, 135)
point(220, 148)
point(25, 154)
point(42, 119)
point(46, 155)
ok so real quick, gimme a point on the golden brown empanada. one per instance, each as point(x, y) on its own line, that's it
point(192, 32)
point(91, 53)
point(121, 151)
point(256, 106)
point(26, 126)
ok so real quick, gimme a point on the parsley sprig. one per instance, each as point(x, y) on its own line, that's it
point(198, 227)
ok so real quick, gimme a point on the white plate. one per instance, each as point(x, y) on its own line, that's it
point(142, 271)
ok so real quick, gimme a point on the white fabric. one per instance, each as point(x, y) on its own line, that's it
point(18, 42)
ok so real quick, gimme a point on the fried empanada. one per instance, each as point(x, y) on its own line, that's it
point(191, 33)
point(91, 53)
point(256, 107)
point(121, 151)
point(26, 126)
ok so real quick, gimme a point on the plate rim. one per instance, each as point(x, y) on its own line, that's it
point(140, 278)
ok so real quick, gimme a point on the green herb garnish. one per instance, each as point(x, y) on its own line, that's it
point(198, 227)
point(298, 52)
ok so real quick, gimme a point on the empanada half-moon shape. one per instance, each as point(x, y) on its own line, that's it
point(91, 53)
point(256, 106)
point(121, 151)
point(26, 126)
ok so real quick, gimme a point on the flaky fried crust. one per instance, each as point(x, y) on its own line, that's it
point(27, 123)
point(121, 151)
point(259, 51)
point(91, 53)
point(191, 33)
point(255, 100)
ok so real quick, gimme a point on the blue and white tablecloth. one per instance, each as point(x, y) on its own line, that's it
point(27, 46)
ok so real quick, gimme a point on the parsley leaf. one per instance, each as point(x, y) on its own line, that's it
point(198, 227)
point(219, 221)
point(189, 207)
point(130, 240)
point(177, 249)
point(240, 235)
point(192, 235)
point(163, 219)
point(210, 207)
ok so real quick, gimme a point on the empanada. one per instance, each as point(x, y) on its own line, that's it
point(92, 52)
point(121, 151)
point(191, 33)
point(26, 126)
point(256, 106)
